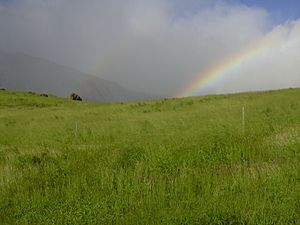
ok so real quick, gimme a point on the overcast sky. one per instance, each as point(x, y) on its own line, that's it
point(159, 46)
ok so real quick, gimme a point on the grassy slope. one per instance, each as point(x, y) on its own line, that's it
point(173, 161)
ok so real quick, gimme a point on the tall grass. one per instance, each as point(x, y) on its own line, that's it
point(171, 161)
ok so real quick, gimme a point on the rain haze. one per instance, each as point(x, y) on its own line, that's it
point(161, 46)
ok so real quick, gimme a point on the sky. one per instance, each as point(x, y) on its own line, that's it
point(165, 47)
point(280, 10)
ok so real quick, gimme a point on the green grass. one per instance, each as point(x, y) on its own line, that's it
point(171, 161)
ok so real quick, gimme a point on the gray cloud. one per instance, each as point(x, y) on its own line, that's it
point(153, 46)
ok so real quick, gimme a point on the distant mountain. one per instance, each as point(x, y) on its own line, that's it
point(26, 73)
point(93, 89)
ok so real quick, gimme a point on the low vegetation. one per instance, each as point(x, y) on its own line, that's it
point(171, 161)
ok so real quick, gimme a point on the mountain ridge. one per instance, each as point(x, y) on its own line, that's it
point(22, 72)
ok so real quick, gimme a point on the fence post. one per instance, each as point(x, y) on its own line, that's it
point(243, 117)
point(76, 129)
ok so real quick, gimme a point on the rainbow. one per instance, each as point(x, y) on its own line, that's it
point(110, 54)
point(225, 67)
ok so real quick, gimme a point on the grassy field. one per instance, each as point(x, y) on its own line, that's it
point(171, 161)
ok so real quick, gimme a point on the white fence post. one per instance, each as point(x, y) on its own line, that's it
point(76, 127)
point(243, 117)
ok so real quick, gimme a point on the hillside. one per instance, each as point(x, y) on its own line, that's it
point(170, 161)
point(26, 73)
